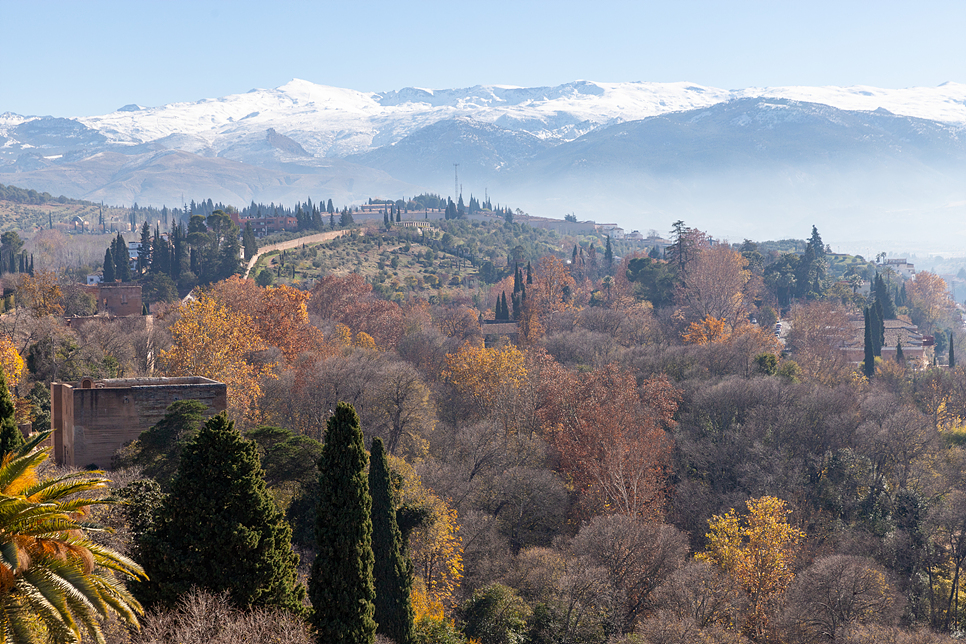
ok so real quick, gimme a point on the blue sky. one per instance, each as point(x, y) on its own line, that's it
point(88, 57)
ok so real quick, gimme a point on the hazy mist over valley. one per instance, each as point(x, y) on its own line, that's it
point(751, 163)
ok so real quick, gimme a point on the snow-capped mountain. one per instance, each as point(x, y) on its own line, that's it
point(335, 122)
point(614, 150)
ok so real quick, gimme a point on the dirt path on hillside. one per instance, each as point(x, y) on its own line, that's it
point(294, 243)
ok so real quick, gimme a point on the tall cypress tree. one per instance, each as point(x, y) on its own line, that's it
point(952, 352)
point(392, 571)
point(341, 585)
point(874, 331)
point(10, 437)
point(219, 528)
point(869, 364)
point(109, 272)
point(609, 254)
point(900, 358)
point(880, 326)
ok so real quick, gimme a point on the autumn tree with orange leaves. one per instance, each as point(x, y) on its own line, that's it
point(212, 341)
point(349, 300)
point(611, 438)
point(279, 314)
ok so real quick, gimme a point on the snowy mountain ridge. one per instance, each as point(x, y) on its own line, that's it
point(336, 122)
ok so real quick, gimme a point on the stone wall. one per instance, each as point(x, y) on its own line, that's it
point(92, 419)
point(119, 300)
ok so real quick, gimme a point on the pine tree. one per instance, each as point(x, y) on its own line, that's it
point(392, 572)
point(952, 352)
point(341, 585)
point(10, 437)
point(869, 364)
point(219, 528)
point(109, 272)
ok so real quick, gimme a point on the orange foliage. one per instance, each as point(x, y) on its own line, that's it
point(349, 300)
point(485, 373)
point(279, 314)
point(708, 330)
point(41, 294)
point(611, 437)
point(214, 342)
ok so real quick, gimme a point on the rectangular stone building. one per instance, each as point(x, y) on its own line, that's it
point(91, 419)
point(119, 299)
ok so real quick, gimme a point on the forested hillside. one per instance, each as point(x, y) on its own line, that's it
point(633, 454)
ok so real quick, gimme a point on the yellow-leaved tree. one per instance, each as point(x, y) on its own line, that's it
point(10, 361)
point(757, 551)
point(434, 544)
point(486, 374)
point(213, 342)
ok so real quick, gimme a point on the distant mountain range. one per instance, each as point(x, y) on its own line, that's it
point(867, 164)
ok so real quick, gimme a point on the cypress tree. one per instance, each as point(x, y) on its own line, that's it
point(869, 364)
point(874, 331)
point(219, 528)
point(392, 572)
point(900, 358)
point(109, 272)
point(505, 310)
point(952, 352)
point(880, 324)
point(341, 585)
point(609, 253)
point(529, 274)
point(10, 437)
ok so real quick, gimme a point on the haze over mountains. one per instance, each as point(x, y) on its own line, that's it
point(867, 165)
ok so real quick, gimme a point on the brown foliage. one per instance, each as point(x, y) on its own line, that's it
point(835, 593)
point(611, 437)
point(349, 300)
point(203, 618)
point(718, 285)
point(818, 330)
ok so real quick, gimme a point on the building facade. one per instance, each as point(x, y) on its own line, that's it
point(91, 419)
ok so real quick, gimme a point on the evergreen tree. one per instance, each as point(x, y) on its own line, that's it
point(249, 242)
point(109, 272)
point(529, 275)
point(144, 248)
point(882, 295)
point(331, 218)
point(341, 584)
point(869, 364)
point(900, 358)
point(330, 208)
point(346, 220)
point(880, 327)
point(952, 352)
point(398, 217)
point(874, 331)
point(122, 259)
point(609, 254)
point(385, 219)
point(219, 528)
point(10, 437)
point(392, 571)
